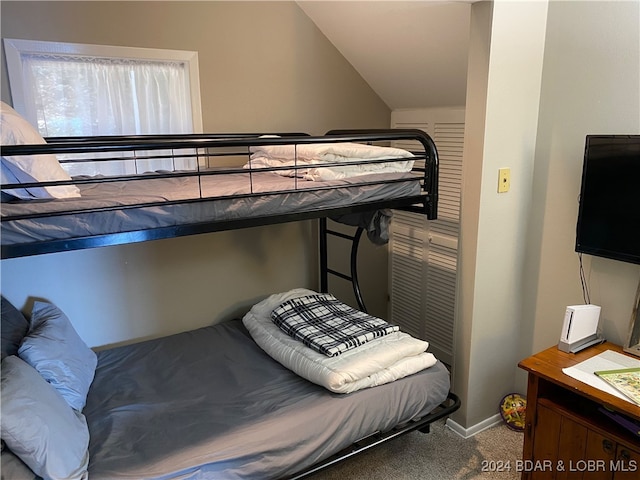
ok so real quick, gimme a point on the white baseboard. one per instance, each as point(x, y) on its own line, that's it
point(475, 429)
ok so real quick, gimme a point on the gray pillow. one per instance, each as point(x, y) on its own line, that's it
point(14, 328)
point(39, 426)
point(57, 352)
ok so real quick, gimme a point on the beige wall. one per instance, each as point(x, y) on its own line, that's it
point(475, 124)
point(591, 84)
point(264, 66)
point(505, 69)
point(541, 77)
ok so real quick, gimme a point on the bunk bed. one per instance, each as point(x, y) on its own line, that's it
point(146, 409)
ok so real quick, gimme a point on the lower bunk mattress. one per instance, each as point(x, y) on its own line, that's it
point(210, 403)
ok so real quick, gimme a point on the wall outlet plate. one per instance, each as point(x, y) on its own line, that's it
point(504, 180)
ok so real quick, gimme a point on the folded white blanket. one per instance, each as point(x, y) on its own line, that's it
point(328, 152)
point(302, 155)
point(377, 362)
point(327, 325)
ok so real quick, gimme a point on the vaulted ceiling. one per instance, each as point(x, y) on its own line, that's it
point(412, 53)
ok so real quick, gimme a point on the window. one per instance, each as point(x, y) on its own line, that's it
point(85, 90)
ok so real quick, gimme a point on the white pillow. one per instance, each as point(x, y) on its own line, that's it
point(15, 130)
point(38, 425)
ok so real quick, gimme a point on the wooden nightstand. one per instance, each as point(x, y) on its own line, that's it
point(566, 436)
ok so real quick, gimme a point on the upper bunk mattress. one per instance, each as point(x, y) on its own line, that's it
point(211, 404)
point(135, 205)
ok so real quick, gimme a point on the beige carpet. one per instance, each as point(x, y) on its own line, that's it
point(439, 455)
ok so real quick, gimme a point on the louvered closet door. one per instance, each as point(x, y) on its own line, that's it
point(423, 255)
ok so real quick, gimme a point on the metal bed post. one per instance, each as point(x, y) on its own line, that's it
point(324, 274)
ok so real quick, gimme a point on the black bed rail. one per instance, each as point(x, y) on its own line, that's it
point(449, 406)
point(106, 143)
point(206, 146)
point(174, 136)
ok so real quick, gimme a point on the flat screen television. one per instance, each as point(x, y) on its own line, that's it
point(609, 206)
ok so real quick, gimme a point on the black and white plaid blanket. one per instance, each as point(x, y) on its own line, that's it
point(327, 325)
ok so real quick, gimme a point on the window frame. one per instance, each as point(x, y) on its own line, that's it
point(16, 48)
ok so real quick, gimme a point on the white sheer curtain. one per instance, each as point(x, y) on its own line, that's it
point(86, 96)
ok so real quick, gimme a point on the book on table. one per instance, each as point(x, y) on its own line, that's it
point(625, 380)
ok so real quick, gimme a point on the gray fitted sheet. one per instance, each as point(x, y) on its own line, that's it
point(211, 404)
point(214, 202)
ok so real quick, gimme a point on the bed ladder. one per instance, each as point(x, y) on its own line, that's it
point(324, 265)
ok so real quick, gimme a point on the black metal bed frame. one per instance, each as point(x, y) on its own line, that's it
point(425, 203)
